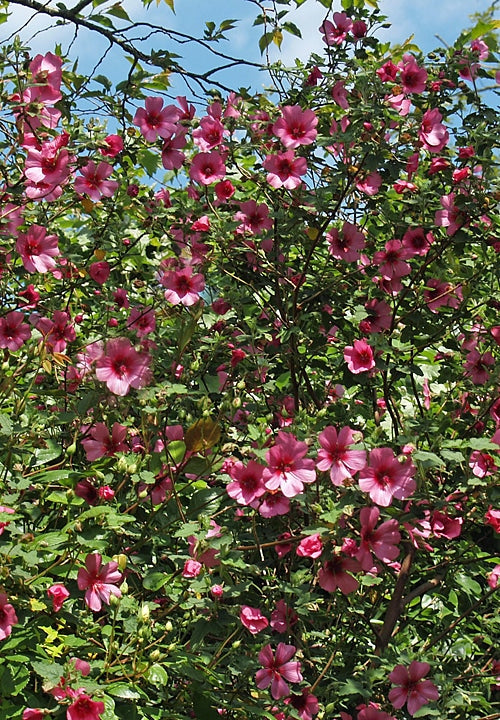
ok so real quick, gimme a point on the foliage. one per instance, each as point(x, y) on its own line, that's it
point(249, 436)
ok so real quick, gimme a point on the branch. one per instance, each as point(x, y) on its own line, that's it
point(395, 607)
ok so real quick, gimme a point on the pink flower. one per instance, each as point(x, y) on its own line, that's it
point(285, 170)
point(183, 288)
point(33, 714)
point(207, 168)
point(336, 456)
point(385, 478)
point(392, 260)
point(432, 134)
point(98, 582)
point(283, 617)
point(310, 546)
point(306, 704)
point(253, 619)
point(7, 511)
point(334, 574)
point(481, 464)
point(378, 319)
point(113, 145)
point(492, 517)
point(254, 218)
point(416, 242)
point(476, 366)
point(37, 249)
point(412, 690)
point(277, 669)
point(272, 504)
point(370, 185)
point(346, 245)
point(335, 34)
point(85, 709)
point(493, 577)
point(288, 469)
point(142, 320)
point(171, 156)
point(102, 444)
point(339, 95)
point(359, 357)
point(382, 541)
point(49, 163)
point(209, 134)
point(8, 617)
point(13, 331)
point(247, 485)
point(155, 120)
point(296, 126)
point(58, 594)
point(93, 181)
point(100, 271)
point(413, 77)
point(451, 217)
point(439, 293)
point(46, 74)
point(122, 367)
point(192, 569)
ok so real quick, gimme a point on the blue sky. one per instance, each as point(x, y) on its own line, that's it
point(422, 18)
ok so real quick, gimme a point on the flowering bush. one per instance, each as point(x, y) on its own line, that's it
point(250, 412)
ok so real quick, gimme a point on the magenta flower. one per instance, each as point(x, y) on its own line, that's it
point(113, 145)
point(385, 478)
point(84, 708)
point(209, 134)
point(442, 294)
point(100, 271)
point(8, 617)
point(392, 260)
point(37, 249)
point(306, 704)
point(247, 484)
point(277, 669)
point(283, 617)
point(58, 594)
point(378, 319)
point(451, 217)
point(285, 170)
point(335, 34)
point(13, 331)
point(207, 168)
point(310, 546)
point(49, 163)
point(122, 367)
point(272, 504)
point(98, 582)
point(142, 320)
point(382, 541)
point(183, 288)
point(102, 444)
point(336, 573)
point(93, 181)
point(476, 366)
point(46, 74)
point(412, 690)
point(253, 619)
point(413, 77)
point(296, 126)
point(359, 357)
point(416, 242)
point(336, 456)
point(155, 120)
point(192, 569)
point(172, 157)
point(254, 218)
point(288, 469)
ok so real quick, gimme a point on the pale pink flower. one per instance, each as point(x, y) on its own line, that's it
point(84, 708)
point(336, 573)
point(310, 546)
point(277, 669)
point(285, 170)
point(347, 244)
point(493, 577)
point(335, 34)
point(155, 120)
point(339, 95)
point(37, 249)
point(412, 690)
point(432, 134)
point(287, 468)
point(336, 456)
point(46, 74)
point(13, 331)
point(58, 594)
point(482, 464)
point(370, 184)
point(253, 619)
point(413, 77)
point(383, 541)
point(296, 126)
point(183, 288)
point(8, 617)
point(451, 217)
point(122, 367)
point(283, 617)
point(385, 478)
point(247, 485)
point(99, 581)
point(272, 504)
point(207, 168)
point(359, 357)
point(93, 181)
point(102, 444)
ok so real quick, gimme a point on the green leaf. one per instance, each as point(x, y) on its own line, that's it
point(156, 580)
point(5, 425)
point(157, 675)
point(427, 459)
point(118, 11)
point(123, 691)
point(265, 41)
